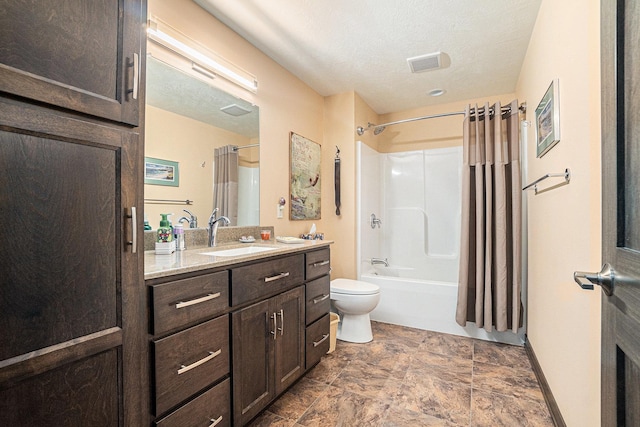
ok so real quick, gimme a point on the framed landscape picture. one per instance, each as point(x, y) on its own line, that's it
point(548, 120)
point(161, 172)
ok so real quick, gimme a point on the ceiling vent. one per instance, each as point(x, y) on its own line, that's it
point(235, 110)
point(431, 61)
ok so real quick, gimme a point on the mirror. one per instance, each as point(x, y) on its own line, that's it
point(186, 120)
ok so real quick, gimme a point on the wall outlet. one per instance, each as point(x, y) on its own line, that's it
point(280, 212)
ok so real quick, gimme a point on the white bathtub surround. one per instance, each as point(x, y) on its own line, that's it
point(417, 195)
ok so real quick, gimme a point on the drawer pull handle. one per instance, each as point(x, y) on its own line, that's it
point(183, 304)
point(215, 422)
point(276, 277)
point(211, 355)
point(321, 298)
point(317, 343)
point(320, 264)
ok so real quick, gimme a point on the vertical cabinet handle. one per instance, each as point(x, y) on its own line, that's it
point(275, 327)
point(136, 76)
point(281, 328)
point(134, 230)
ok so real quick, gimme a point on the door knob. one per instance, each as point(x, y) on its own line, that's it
point(604, 279)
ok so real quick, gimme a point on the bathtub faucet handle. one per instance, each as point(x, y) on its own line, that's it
point(375, 261)
point(375, 221)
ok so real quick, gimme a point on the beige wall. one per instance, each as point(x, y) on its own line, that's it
point(564, 224)
point(339, 130)
point(286, 105)
point(166, 137)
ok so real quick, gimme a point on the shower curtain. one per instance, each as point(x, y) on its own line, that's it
point(490, 251)
point(225, 182)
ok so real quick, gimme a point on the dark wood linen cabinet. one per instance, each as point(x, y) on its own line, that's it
point(72, 309)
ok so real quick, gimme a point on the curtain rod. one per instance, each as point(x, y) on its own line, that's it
point(236, 148)
point(377, 129)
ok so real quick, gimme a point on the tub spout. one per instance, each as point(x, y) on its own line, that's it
point(375, 261)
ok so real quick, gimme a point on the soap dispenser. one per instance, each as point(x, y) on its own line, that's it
point(165, 232)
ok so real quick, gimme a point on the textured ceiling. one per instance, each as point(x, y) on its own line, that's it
point(170, 89)
point(340, 45)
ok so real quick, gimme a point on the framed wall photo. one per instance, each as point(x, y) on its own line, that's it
point(304, 178)
point(161, 172)
point(548, 120)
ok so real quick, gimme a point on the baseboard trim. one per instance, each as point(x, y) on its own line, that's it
point(554, 410)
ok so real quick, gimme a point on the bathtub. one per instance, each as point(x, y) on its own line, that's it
point(424, 304)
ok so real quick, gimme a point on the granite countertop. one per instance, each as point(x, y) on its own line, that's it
point(179, 262)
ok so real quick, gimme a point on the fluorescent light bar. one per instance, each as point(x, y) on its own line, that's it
point(202, 60)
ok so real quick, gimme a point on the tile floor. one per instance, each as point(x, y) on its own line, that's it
point(411, 377)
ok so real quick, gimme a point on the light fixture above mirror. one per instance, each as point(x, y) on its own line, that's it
point(204, 61)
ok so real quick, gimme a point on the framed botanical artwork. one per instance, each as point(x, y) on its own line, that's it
point(161, 172)
point(548, 120)
point(304, 178)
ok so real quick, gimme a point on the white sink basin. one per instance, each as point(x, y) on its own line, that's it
point(246, 250)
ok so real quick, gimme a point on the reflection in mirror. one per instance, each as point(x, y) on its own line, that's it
point(187, 121)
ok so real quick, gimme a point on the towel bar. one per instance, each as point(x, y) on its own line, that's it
point(566, 175)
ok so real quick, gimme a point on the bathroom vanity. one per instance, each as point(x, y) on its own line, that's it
point(229, 334)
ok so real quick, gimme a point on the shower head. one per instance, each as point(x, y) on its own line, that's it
point(377, 130)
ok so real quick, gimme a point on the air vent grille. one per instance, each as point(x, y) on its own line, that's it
point(235, 110)
point(427, 62)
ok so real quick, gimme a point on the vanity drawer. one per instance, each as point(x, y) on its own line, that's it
point(317, 340)
point(190, 360)
point(204, 410)
point(317, 263)
point(266, 278)
point(187, 301)
point(318, 294)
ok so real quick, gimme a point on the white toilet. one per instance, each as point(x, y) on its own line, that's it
point(354, 300)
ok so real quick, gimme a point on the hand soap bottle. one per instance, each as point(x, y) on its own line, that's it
point(165, 233)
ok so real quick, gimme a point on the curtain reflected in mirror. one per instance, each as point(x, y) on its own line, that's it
point(187, 121)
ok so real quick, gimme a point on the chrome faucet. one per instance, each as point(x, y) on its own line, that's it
point(375, 261)
point(213, 226)
point(192, 220)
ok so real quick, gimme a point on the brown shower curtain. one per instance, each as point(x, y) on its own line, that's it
point(225, 182)
point(490, 251)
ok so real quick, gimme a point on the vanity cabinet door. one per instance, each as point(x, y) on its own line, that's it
point(268, 351)
point(84, 56)
point(289, 353)
point(253, 345)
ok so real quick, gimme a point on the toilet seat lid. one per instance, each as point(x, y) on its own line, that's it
point(353, 287)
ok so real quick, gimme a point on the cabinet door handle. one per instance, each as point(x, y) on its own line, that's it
point(317, 343)
point(215, 422)
point(275, 326)
point(211, 355)
point(136, 75)
point(276, 277)
point(183, 304)
point(134, 230)
point(281, 328)
point(320, 263)
point(321, 298)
